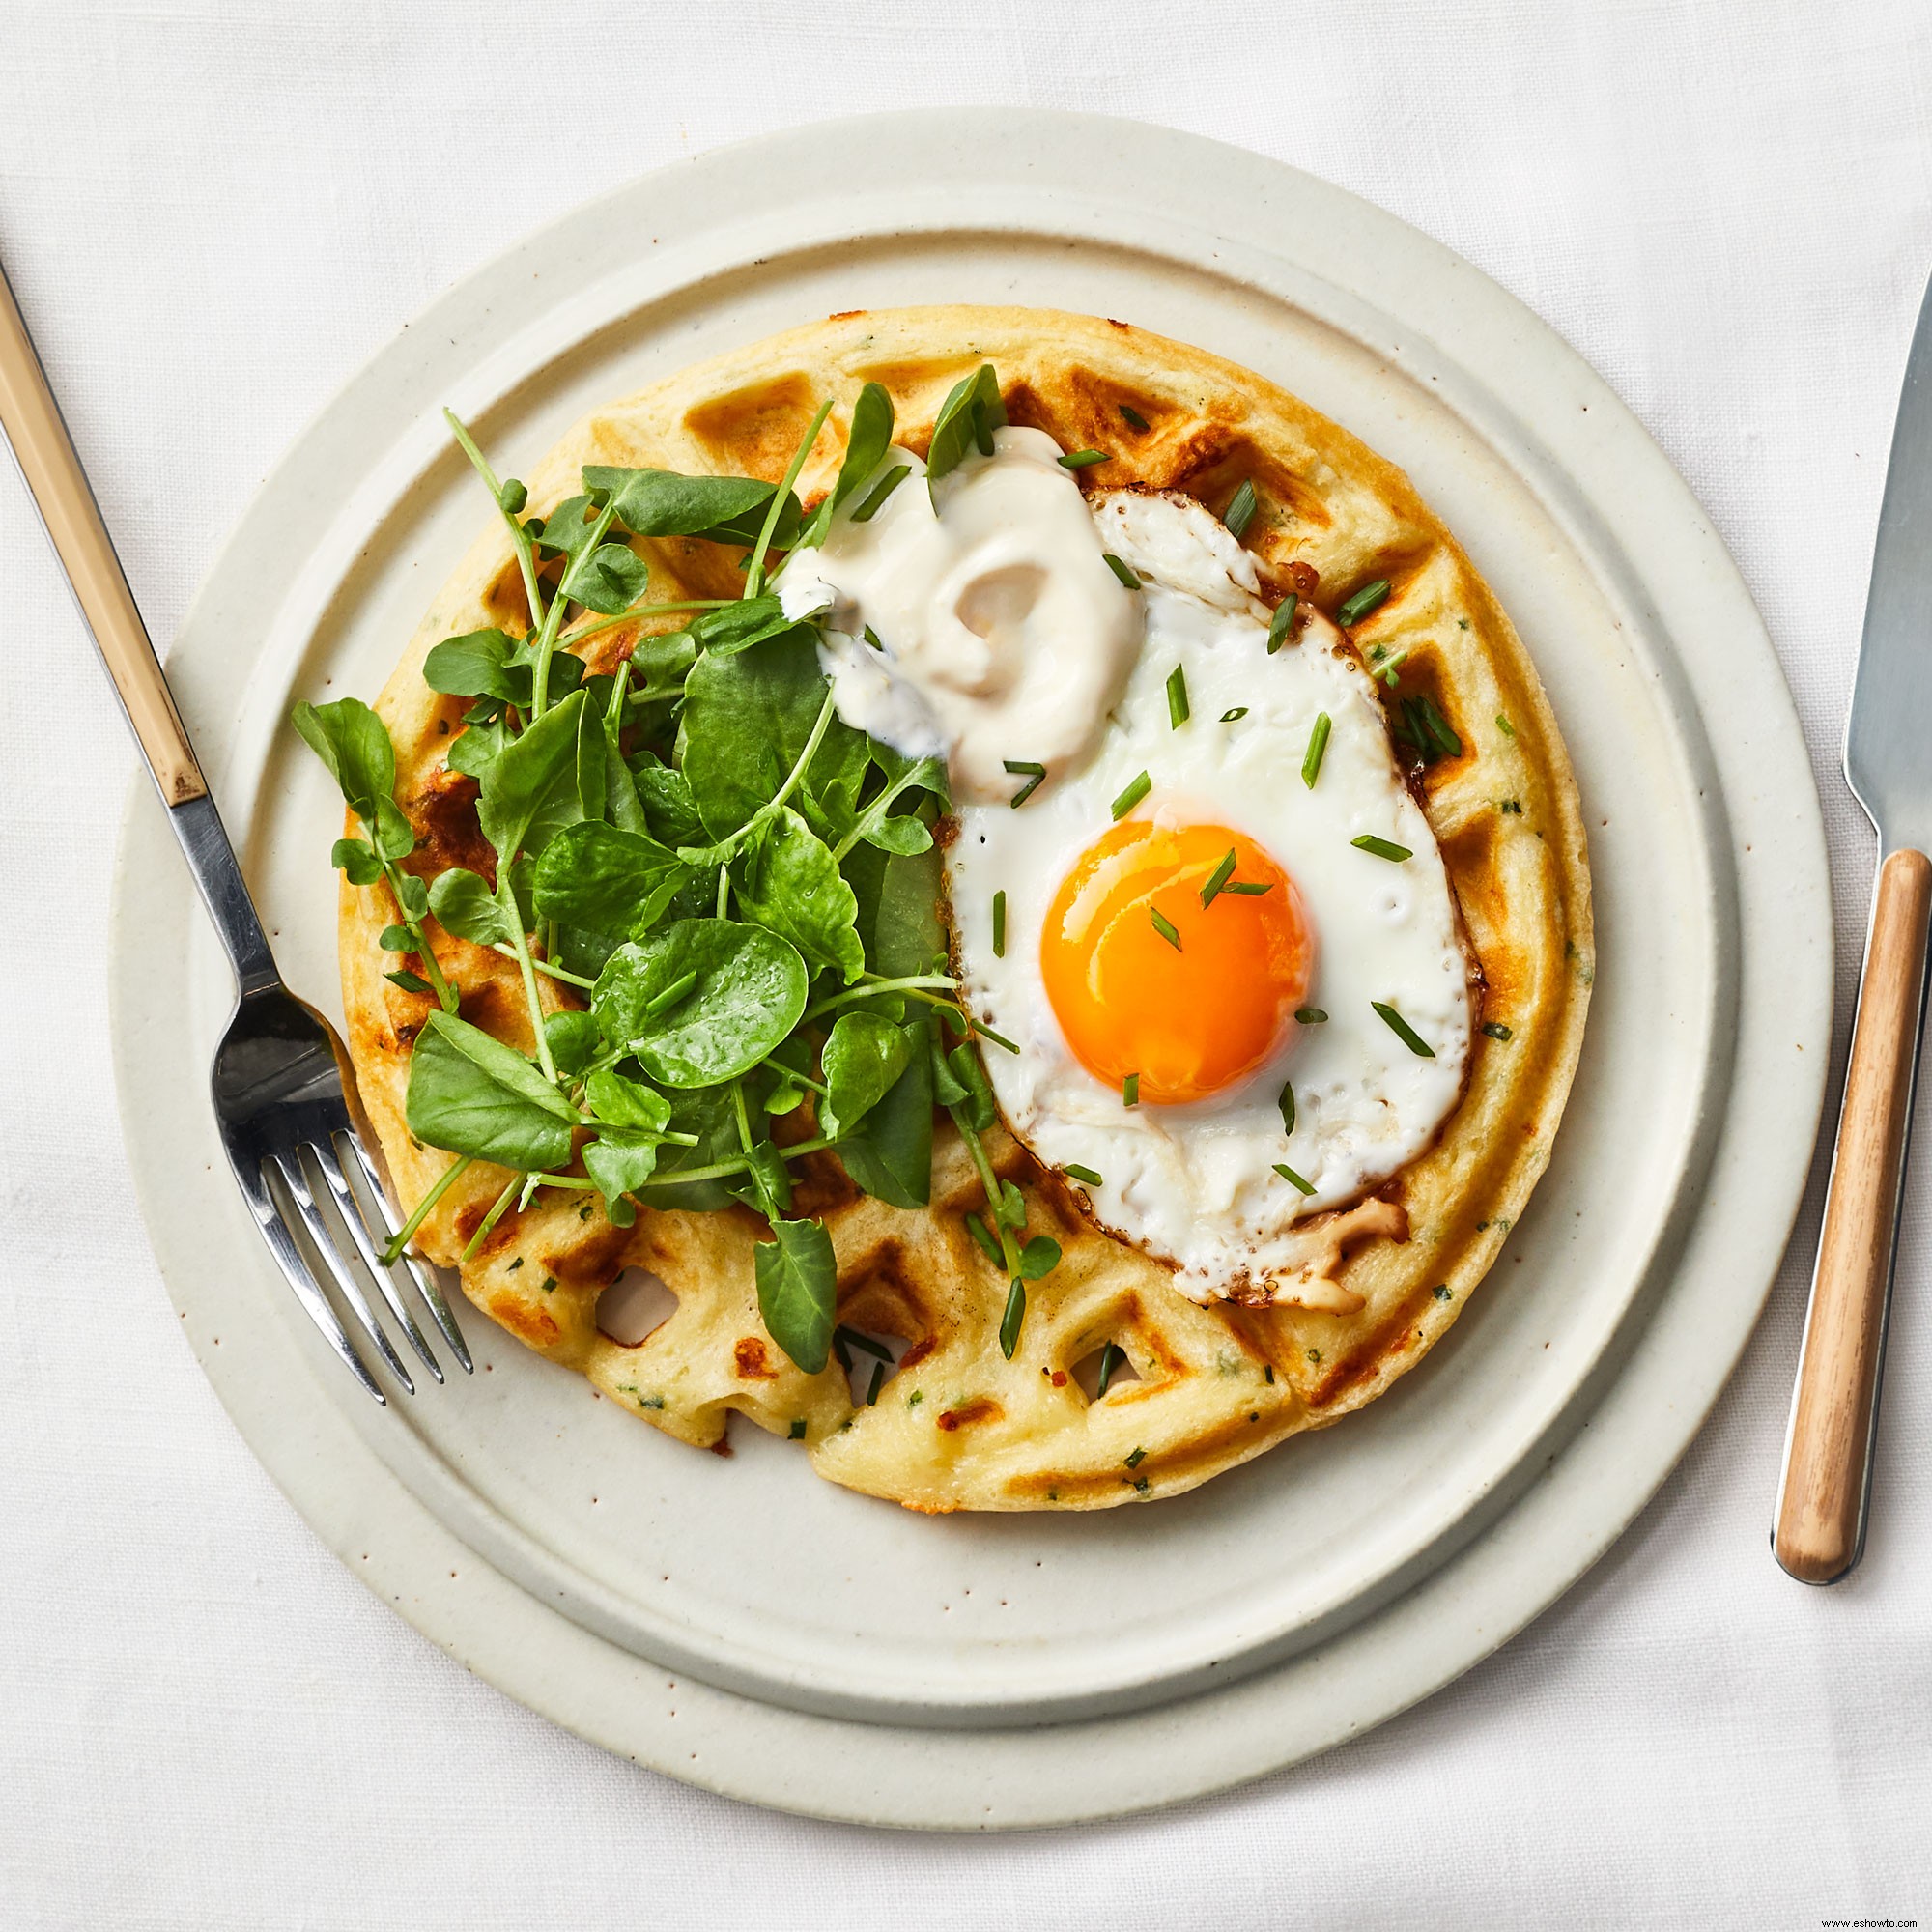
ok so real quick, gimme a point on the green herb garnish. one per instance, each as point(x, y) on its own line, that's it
point(1137, 788)
point(1011, 1321)
point(1132, 418)
point(1111, 1359)
point(1085, 1174)
point(1034, 776)
point(1505, 726)
point(1281, 625)
point(876, 497)
point(1284, 1100)
point(1176, 698)
point(1228, 716)
point(1369, 597)
point(1084, 459)
point(1165, 928)
point(1130, 1091)
point(1311, 1016)
point(1134, 1461)
point(1496, 1030)
point(1125, 571)
point(1318, 747)
point(1382, 848)
point(1293, 1179)
point(1218, 878)
point(1241, 510)
point(1000, 924)
point(1403, 1031)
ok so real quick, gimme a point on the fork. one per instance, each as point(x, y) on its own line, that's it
point(284, 1090)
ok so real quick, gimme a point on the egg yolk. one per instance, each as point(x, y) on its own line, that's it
point(1193, 1013)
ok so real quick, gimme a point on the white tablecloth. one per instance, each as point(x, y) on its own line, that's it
point(212, 213)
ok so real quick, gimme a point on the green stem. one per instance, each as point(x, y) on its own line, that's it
point(506, 898)
point(721, 853)
point(755, 577)
point(553, 621)
point(544, 967)
point(445, 993)
point(990, 1182)
point(638, 611)
point(520, 537)
point(720, 1170)
point(489, 1221)
point(869, 985)
point(406, 1233)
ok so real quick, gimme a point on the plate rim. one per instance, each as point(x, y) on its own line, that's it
point(1063, 140)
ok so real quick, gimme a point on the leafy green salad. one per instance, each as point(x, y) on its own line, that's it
point(741, 891)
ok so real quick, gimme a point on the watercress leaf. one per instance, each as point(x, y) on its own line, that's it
point(798, 1289)
point(626, 1103)
point(462, 904)
point(1040, 1257)
point(573, 1039)
point(534, 773)
point(978, 1107)
point(794, 1057)
point(903, 834)
point(863, 1056)
point(354, 743)
point(412, 895)
point(671, 816)
point(725, 995)
point(619, 1160)
point(956, 432)
point(473, 751)
point(472, 1094)
point(394, 837)
point(480, 664)
point(741, 625)
point(396, 939)
point(792, 884)
point(947, 1089)
point(608, 579)
point(746, 719)
point(906, 935)
point(891, 1155)
point(661, 504)
point(767, 1183)
point(357, 860)
point(603, 879)
point(708, 1114)
point(865, 445)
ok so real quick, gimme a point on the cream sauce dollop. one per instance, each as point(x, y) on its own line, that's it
point(1003, 633)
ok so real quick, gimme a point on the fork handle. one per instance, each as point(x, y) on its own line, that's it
point(1818, 1532)
point(45, 454)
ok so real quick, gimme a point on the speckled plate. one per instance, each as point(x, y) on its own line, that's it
point(739, 1623)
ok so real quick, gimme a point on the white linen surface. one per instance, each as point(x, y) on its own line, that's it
point(212, 214)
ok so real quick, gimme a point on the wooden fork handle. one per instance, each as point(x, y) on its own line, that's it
point(45, 454)
point(1819, 1531)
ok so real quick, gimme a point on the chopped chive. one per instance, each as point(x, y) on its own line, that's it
point(1511, 805)
point(880, 491)
point(1382, 848)
point(873, 638)
point(1178, 713)
point(670, 996)
point(798, 1429)
point(1132, 418)
point(1318, 746)
point(864, 1344)
point(1134, 1461)
point(1137, 789)
point(1424, 727)
point(1218, 878)
point(999, 925)
point(1034, 776)
point(1130, 1091)
point(1165, 928)
point(1241, 508)
point(1310, 1016)
point(1505, 726)
point(1403, 1031)
point(409, 982)
point(1293, 1179)
point(985, 1032)
point(878, 1382)
point(1268, 1371)
point(1443, 1294)
point(1284, 1100)
point(984, 1236)
point(1084, 459)
point(1228, 716)
point(1252, 888)
point(1010, 1321)
point(1111, 1359)
point(1125, 571)
point(1085, 1174)
point(1282, 623)
point(1496, 1030)
point(1369, 597)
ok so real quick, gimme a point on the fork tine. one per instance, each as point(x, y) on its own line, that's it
point(350, 1212)
point(290, 1168)
point(288, 1257)
point(420, 1272)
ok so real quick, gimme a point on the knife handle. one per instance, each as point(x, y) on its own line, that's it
point(1818, 1532)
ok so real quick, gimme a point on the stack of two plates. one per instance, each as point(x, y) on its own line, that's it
point(741, 1624)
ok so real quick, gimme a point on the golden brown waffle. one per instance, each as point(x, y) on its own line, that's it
point(956, 1425)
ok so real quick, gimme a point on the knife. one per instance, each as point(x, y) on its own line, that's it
point(1818, 1532)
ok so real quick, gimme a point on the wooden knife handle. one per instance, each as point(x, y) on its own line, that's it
point(1821, 1504)
point(53, 474)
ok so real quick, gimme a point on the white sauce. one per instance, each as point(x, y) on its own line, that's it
point(1003, 633)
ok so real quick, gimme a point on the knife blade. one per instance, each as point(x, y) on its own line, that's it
point(1824, 1493)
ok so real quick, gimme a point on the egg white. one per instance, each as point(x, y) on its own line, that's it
point(1196, 1184)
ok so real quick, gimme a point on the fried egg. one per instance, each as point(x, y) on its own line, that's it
point(1217, 932)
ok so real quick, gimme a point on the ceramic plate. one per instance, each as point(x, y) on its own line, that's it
point(738, 1622)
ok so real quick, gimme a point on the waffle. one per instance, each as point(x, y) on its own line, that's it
point(951, 1424)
